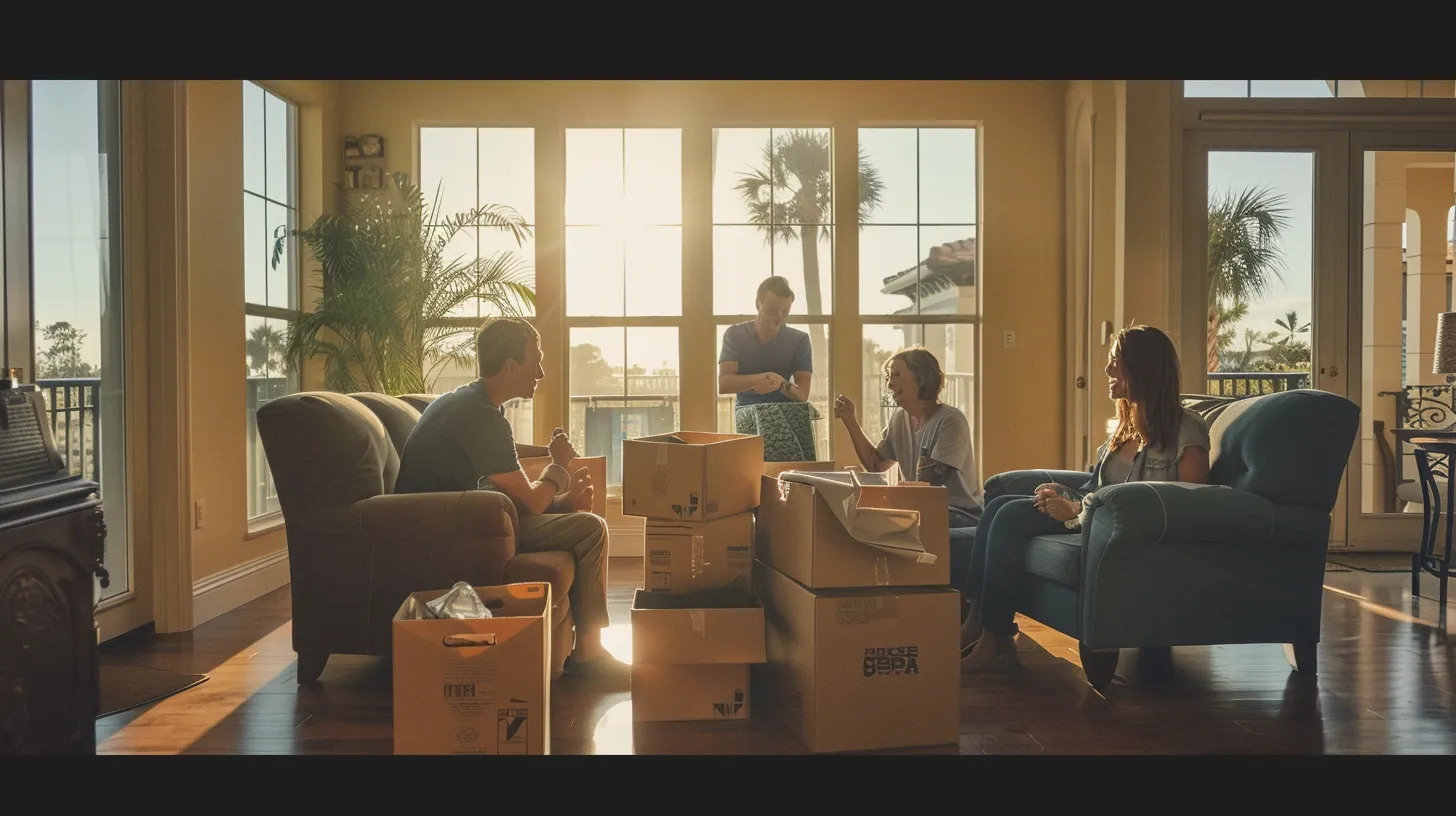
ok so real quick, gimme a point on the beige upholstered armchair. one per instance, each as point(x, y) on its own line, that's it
point(356, 550)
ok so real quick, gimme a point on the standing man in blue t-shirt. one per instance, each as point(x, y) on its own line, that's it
point(763, 360)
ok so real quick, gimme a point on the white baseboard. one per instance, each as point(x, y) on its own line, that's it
point(225, 591)
point(627, 542)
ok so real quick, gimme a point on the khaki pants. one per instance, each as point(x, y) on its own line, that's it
point(584, 535)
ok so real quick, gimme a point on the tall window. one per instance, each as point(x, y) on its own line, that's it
point(271, 291)
point(773, 214)
point(623, 286)
point(919, 264)
point(463, 168)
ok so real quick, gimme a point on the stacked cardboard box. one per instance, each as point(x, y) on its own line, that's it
point(863, 645)
point(696, 622)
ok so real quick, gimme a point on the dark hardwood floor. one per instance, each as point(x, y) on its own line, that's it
point(1386, 685)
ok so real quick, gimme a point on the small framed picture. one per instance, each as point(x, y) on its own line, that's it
point(351, 178)
point(371, 146)
point(351, 148)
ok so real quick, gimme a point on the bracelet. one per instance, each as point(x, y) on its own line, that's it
point(557, 475)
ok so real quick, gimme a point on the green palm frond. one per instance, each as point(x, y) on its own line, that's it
point(387, 279)
point(792, 187)
point(1244, 252)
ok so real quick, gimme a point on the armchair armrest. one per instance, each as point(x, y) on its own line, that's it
point(437, 516)
point(1166, 563)
point(1158, 512)
point(425, 541)
point(1023, 482)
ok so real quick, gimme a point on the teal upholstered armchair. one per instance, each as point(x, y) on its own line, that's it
point(1160, 565)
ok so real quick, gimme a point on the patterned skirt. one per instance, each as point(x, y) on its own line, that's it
point(787, 429)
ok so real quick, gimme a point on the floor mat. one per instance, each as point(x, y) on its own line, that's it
point(1371, 562)
point(125, 686)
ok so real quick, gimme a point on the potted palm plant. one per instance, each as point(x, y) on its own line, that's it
point(390, 285)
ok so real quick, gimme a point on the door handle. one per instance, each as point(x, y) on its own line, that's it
point(1081, 382)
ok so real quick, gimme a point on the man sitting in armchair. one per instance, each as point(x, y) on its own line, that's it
point(464, 442)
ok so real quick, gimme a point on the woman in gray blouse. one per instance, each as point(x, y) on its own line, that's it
point(1156, 439)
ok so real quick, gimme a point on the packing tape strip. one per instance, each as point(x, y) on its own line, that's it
point(882, 571)
point(697, 558)
point(699, 620)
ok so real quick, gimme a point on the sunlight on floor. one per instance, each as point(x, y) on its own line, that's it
point(1381, 609)
point(617, 639)
point(178, 722)
point(613, 731)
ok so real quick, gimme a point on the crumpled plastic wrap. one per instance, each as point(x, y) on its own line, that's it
point(462, 602)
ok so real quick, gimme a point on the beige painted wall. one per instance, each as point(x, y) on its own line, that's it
point(216, 403)
point(1022, 188)
point(1135, 155)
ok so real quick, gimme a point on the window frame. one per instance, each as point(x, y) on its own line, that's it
point(920, 319)
point(823, 381)
point(698, 323)
point(270, 518)
point(680, 322)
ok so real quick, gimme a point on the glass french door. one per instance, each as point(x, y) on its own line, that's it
point(1266, 294)
point(1402, 199)
point(65, 312)
point(1356, 266)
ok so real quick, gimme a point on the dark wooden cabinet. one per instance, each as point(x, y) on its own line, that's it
point(52, 543)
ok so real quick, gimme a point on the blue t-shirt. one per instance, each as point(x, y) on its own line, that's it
point(787, 353)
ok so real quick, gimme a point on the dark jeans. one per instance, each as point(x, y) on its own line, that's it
point(996, 562)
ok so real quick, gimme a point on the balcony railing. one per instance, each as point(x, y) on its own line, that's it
point(1254, 383)
point(74, 405)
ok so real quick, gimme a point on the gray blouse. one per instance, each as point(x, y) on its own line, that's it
point(1151, 464)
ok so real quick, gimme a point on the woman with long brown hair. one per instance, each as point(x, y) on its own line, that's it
point(1156, 439)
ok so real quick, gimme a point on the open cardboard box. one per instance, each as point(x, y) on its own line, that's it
point(691, 475)
point(775, 468)
point(800, 536)
point(475, 686)
point(692, 663)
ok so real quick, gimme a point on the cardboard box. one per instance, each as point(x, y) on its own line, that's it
point(686, 556)
point(775, 468)
point(799, 535)
point(489, 690)
point(684, 692)
point(702, 477)
point(862, 669)
point(692, 663)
